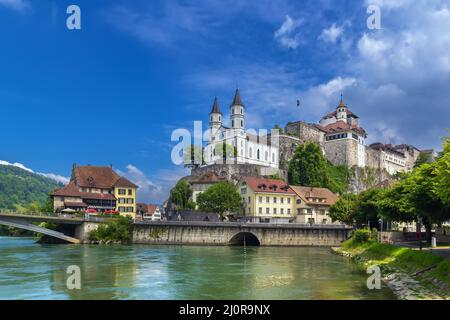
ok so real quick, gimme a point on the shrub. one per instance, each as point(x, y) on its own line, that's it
point(119, 230)
point(362, 235)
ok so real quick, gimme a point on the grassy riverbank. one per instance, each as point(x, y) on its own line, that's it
point(427, 273)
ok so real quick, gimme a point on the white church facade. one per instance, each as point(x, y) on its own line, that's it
point(245, 148)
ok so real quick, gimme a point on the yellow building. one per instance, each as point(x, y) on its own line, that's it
point(267, 200)
point(98, 189)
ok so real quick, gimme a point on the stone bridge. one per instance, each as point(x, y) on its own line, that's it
point(229, 233)
point(77, 230)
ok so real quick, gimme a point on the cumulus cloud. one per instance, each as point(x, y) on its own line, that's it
point(18, 5)
point(287, 35)
point(331, 34)
point(157, 188)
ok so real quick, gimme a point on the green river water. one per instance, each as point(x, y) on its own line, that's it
point(33, 271)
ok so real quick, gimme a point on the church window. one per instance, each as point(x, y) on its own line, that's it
point(242, 111)
point(232, 123)
point(211, 119)
point(232, 110)
point(219, 119)
point(242, 123)
point(257, 154)
point(266, 157)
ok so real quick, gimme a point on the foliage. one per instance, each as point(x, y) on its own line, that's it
point(361, 235)
point(344, 209)
point(181, 194)
point(120, 229)
point(24, 191)
point(441, 169)
point(308, 167)
point(277, 127)
point(219, 198)
point(191, 205)
point(422, 158)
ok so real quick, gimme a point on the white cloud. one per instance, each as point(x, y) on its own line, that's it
point(154, 190)
point(287, 35)
point(18, 5)
point(331, 34)
point(55, 177)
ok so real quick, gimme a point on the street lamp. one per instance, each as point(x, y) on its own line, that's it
point(381, 229)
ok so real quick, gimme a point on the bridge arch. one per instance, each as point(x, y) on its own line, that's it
point(244, 238)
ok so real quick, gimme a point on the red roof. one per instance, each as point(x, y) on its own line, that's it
point(99, 177)
point(341, 126)
point(307, 193)
point(268, 185)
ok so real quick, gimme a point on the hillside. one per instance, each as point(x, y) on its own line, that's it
point(20, 189)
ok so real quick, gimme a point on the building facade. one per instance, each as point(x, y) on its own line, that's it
point(97, 188)
point(312, 205)
point(240, 146)
point(267, 200)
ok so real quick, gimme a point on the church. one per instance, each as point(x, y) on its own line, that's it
point(247, 148)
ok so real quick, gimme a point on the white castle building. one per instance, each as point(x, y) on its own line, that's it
point(247, 148)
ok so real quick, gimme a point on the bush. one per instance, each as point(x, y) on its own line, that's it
point(362, 235)
point(119, 230)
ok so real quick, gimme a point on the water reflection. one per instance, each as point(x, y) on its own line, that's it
point(31, 271)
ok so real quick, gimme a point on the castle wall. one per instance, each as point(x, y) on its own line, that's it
point(342, 152)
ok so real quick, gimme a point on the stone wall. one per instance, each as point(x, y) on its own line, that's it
point(361, 179)
point(222, 234)
point(234, 172)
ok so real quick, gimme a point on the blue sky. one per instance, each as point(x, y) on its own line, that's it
point(112, 92)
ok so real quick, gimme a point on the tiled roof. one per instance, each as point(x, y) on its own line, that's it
point(334, 114)
point(146, 208)
point(71, 190)
point(315, 193)
point(125, 183)
point(262, 185)
point(99, 177)
point(386, 147)
point(341, 126)
point(208, 178)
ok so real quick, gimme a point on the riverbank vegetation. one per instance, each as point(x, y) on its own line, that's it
point(220, 198)
point(431, 271)
point(119, 230)
point(423, 194)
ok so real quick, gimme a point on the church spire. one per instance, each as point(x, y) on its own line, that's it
point(342, 103)
point(215, 108)
point(237, 99)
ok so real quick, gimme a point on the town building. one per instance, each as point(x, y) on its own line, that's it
point(267, 200)
point(242, 147)
point(144, 210)
point(97, 188)
point(203, 182)
point(312, 205)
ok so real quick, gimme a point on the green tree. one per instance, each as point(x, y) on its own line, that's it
point(219, 198)
point(422, 158)
point(226, 151)
point(441, 170)
point(181, 194)
point(193, 155)
point(344, 210)
point(308, 167)
point(120, 229)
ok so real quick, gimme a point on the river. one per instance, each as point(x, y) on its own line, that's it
point(34, 271)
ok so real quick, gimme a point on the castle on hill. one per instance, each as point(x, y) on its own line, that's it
point(339, 134)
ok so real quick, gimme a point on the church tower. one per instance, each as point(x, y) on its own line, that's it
point(237, 112)
point(341, 111)
point(215, 117)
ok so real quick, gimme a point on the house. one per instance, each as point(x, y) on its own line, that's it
point(97, 188)
point(203, 182)
point(267, 200)
point(312, 205)
point(143, 209)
